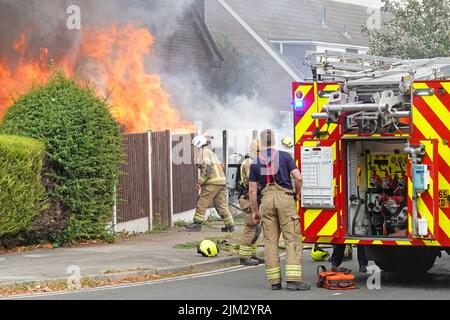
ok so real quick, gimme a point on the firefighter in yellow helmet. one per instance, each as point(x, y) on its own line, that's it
point(272, 171)
point(252, 231)
point(212, 183)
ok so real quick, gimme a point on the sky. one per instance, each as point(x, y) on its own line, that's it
point(372, 3)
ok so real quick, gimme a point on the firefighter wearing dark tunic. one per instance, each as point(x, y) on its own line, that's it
point(272, 171)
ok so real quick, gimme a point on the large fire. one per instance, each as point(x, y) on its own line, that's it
point(113, 60)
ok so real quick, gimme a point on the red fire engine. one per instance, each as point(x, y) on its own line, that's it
point(372, 142)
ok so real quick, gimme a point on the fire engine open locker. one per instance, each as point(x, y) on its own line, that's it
point(371, 139)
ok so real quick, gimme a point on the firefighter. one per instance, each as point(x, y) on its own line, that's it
point(212, 183)
point(252, 231)
point(339, 254)
point(272, 171)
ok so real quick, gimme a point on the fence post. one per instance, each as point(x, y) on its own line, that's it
point(170, 176)
point(150, 182)
point(225, 150)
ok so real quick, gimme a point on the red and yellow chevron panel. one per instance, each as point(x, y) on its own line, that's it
point(431, 114)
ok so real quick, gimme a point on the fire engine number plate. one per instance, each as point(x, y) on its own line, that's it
point(443, 199)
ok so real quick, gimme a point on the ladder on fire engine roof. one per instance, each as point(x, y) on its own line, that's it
point(361, 70)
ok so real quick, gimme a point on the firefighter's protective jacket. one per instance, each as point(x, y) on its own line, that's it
point(211, 171)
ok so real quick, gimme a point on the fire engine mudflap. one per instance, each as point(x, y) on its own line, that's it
point(374, 155)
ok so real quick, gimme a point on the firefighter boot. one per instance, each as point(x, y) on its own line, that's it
point(297, 286)
point(276, 286)
point(195, 226)
point(255, 255)
point(249, 262)
point(229, 229)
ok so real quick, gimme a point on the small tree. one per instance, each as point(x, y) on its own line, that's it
point(84, 148)
point(413, 29)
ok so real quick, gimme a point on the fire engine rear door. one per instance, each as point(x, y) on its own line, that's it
point(319, 206)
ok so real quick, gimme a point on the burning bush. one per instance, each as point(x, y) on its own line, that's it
point(21, 191)
point(84, 147)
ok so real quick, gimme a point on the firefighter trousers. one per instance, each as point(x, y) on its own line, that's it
point(218, 196)
point(251, 232)
point(279, 216)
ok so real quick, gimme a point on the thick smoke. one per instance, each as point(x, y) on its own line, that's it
point(45, 22)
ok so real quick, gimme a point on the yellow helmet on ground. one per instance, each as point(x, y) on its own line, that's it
point(207, 248)
point(318, 254)
point(287, 142)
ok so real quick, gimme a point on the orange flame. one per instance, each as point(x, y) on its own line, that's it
point(113, 60)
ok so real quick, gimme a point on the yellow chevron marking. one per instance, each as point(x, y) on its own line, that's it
point(331, 128)
point(428, 131)
point(431, 243)
point(324, 101)
point(324, 240)
point(443, 183)
point(350, 241)
point(425, 213)
point(435, 104)
point(446, 86)
point(310, 216)
point(306, 120)
point(334, 151)
point(444, 222)
point(331, 87)
point(310, 144)
point(429, 148)
point(377, 242)
point(330, 228)
point(403, 243)
point(410, 187)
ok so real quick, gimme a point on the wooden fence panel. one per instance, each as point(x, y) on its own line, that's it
point(161, 177)
point(184, 174)
point(134, 184)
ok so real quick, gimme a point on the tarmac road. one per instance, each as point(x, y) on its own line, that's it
point(249, 283)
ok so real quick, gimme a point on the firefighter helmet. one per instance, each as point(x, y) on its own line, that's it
point(207, 248)
point(318, 254)
point(200, 141)
point(287, 142)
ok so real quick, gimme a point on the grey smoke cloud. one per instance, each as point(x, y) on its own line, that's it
point(45, 22)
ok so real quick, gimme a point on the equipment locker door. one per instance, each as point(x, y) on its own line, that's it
point(320, 210)
point(426, 200)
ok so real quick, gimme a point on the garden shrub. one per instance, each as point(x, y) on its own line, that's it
point(84, 148)
point(22, 195)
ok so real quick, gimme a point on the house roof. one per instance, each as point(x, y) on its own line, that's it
point(247, 23)
point(302, 20)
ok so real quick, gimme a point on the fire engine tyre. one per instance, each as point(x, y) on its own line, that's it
point(403, 260)
point(407, 266)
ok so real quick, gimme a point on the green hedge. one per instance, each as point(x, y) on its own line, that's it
point(21, 191)
point(84, 148)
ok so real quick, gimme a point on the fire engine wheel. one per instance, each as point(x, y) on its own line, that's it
point(407, 265)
